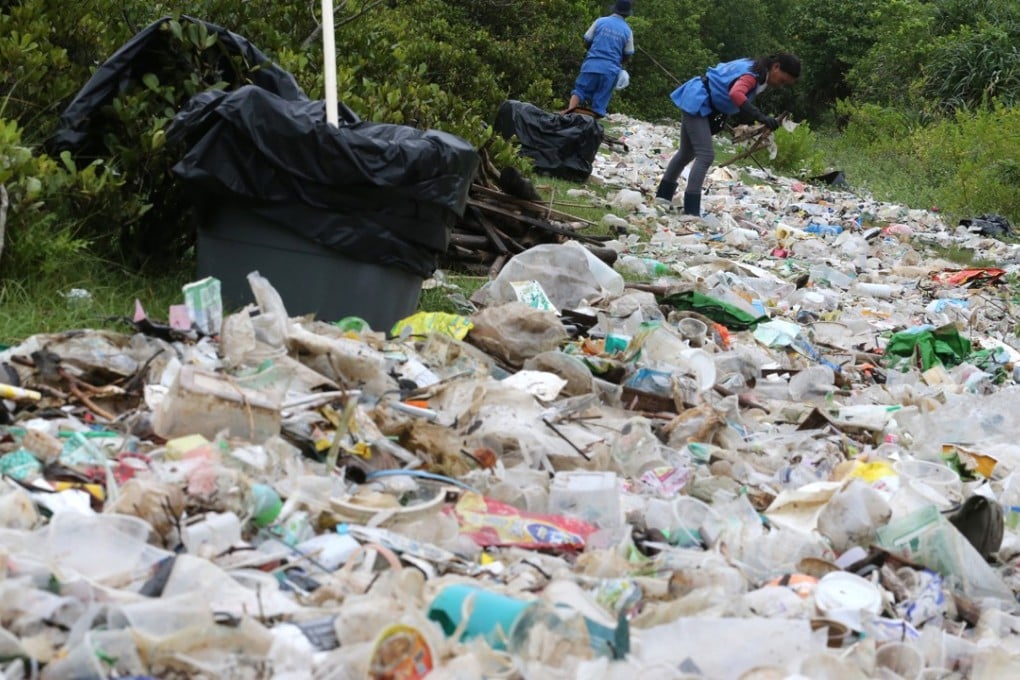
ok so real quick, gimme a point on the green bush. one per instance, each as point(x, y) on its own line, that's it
point(974, 66)
point(973, 159)
point(888, 73)
point(965, 164)
point(829, 37)
point(871, 125)
point(939, 56)
point(44, 53)
point(797, 152)
point(41, 236)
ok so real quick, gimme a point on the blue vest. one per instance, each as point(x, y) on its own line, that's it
point(609, 43)
point(692, 97)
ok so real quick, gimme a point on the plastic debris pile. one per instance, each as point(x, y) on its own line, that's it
point(783, 445)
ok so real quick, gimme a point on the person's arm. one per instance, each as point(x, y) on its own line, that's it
point(589, 35)
point(743, 86)
point(628, 50)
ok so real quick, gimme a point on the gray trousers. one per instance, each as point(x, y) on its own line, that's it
point(696, 145)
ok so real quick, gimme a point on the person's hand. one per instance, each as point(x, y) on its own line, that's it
point(769, 122)
point(751, 110)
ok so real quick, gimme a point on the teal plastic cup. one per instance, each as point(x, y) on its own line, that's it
point(492, 615)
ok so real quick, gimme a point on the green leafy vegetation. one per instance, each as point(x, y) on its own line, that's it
point(961, 256)
point(963, 165)
point(915, 100)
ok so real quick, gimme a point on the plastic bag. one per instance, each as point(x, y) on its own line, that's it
point(514, 332)
point(852, 515)
point(568, 273)
point(562, 146)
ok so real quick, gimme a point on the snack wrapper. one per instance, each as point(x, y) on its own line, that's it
point(491, 523)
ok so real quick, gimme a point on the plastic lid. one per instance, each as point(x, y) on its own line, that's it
point(842, 591)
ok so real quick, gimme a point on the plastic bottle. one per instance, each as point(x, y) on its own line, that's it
point(824, 229)
point(875, 290)
point(642, 266)
point(830, 276)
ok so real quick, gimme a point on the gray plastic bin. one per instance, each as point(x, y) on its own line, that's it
point(310, 278)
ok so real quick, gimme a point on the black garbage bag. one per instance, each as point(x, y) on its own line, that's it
point(981, 522)
point(379, 193)
point(834, 178)
point(561, 146)
point(145, 220)
point(145, 53)
point(988, 225)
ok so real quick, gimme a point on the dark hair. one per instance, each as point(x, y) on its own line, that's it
point(788, 63)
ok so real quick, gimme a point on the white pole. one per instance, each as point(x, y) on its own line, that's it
point(329, 57)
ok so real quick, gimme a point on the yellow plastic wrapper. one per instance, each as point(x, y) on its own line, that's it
point(968, 462)
point(424, 323)
point(873, 471)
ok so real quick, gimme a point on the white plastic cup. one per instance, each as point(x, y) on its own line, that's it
point(939, 478)
point(593, 496)
point(683, 515)
point(899, 660)
point(693, 331)
point(847, 598)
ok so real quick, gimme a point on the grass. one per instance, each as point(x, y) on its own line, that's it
point(962, 256)
point(46, 305)
point(883, 176)
point(555, 192)
point(444, 298)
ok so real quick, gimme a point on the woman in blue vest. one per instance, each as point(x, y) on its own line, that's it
point(610, 44)
point(725, 89)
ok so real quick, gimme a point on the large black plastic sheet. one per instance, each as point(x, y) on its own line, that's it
point(988, 225)
point(379, 193)
point(139, 56)
point(561, 146)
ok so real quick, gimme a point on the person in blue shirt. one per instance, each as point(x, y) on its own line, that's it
point(610, 44)
point(726, 89)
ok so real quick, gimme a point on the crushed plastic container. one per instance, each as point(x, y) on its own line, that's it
point(206, 403)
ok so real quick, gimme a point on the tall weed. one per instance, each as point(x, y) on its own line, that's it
point(965, 164)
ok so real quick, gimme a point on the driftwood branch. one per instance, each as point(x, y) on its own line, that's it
point(507, 199)
point(499, 223)
point(532, 221)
